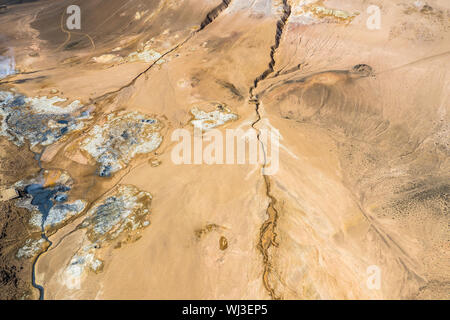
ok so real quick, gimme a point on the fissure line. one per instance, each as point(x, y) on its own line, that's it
point(267, 237)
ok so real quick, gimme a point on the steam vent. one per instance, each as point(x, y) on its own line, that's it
point(224, 149)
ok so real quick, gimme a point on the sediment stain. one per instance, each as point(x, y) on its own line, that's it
point(200, 233)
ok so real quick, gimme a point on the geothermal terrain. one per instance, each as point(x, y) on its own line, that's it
point(350, 200)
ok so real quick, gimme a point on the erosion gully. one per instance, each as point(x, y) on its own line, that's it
point(267, 237)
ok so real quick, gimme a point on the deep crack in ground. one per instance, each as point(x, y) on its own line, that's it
point(267, 237)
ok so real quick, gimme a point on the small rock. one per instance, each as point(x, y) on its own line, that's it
point(223, 243)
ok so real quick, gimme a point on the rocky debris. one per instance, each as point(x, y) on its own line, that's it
point(125, 209)
point(122, 137)
point(78, 265)
point(145, 54)
point(12, 282)
point(207, 120)
point(38, 120)
point(315, 11)
point(31, 248)
point(116, 217)
point(14, 272)
point(15, 164)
